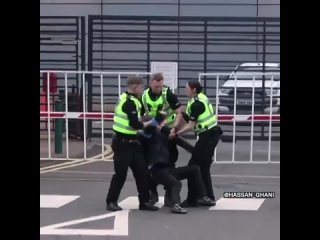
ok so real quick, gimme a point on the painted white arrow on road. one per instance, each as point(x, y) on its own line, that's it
point(121, 218)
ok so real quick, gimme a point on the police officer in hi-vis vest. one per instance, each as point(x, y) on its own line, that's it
point(202, 119)
point(159, 98)
point(127, 147)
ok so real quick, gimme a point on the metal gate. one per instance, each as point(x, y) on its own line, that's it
point(64, 115)
point(257, 90)
point(62, 47)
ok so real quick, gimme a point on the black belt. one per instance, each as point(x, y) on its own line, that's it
point(129, 140)
point(126, 139)
point(208, 130)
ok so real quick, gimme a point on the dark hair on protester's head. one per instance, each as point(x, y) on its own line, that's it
point(195, 85)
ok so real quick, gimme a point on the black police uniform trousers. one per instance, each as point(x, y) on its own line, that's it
point(202, 156)
point(170, 178)
point(128, 153)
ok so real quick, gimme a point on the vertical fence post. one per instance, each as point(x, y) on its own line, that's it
point(84, 114)
point(66, 111)
point(252, 118)
point(49, 116)
point(263, 75)
point(234, 117)
point(102, 119)
point(89, 76)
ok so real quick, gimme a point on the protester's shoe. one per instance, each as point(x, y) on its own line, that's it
point(176, 208)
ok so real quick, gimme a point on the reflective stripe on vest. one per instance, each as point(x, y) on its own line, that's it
point(207, 119)
point(161, 101)
point(120, 119)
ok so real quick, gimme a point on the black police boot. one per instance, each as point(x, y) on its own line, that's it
point(205, 201)
point(148, 207)
point(113, 206)
point(176, 208)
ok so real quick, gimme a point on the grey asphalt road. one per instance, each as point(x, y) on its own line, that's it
point(90, 183)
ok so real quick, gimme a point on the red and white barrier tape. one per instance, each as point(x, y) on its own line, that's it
point(109, 116)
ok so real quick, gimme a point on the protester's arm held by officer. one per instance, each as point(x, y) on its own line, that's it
point(197, 108)
point(179, 140)
point(174, 103)
point(130, 109)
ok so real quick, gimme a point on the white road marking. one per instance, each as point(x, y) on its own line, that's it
point(56, 201)
point(132, 202)
point(121, 221)
point(238, 204)
point(121, 224)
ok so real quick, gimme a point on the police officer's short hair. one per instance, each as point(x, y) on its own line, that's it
point(135, 80)
point(157, 77)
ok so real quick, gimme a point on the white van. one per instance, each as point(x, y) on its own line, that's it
point(245, 89)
